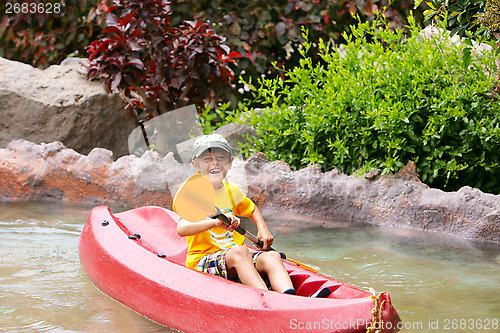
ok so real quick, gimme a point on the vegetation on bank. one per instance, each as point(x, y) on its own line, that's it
point(384, 99)
point(261, 31)
point(157, 67)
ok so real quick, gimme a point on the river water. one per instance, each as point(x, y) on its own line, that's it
point(437, 284)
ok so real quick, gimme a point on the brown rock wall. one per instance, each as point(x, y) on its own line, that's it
point(53, 172)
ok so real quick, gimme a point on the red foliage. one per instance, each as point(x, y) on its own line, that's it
point(43, 33)
point(269, 32)
point(159, 67)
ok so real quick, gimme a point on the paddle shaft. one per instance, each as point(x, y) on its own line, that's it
point(251, 237)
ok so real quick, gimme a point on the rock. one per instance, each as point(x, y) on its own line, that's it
point(372, 174)
point(185, 149)
point(409, 172)
point(54, 172)
point(59, 104)
point(389, 200)
point(31, 171)
point(236, 134)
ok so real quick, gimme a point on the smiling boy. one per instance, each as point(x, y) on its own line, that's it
point(214, 247)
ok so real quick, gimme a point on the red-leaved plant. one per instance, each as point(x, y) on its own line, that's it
point(43, 33)
point(155, 66)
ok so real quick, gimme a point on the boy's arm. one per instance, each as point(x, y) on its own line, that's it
point(262, 231)
point(186, 228)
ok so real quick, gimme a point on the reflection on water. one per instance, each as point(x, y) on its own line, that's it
point(434, 283)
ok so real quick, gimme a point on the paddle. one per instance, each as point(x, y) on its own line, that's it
point(195, 201)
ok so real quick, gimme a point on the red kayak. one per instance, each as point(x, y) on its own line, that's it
point(137, 258)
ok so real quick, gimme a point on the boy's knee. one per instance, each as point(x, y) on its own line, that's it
point(240, 252)
point(274, 255)
point(270, 258)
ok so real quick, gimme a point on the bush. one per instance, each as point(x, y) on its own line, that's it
point(382, 101)
point(473, 20)
point(41, 34)
point(467, 18)
point(460, 16)
point(270, 31)
point(156, 66)
point(261, 30)
point(491, 18)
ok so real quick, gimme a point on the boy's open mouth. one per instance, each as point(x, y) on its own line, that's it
point(215, 171)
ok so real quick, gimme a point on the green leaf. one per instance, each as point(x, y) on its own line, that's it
point(467, 41)
point(417, 3)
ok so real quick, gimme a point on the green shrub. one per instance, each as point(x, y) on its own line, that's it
point(469, 19)
point(491, 18)
point(460, 16)
point(221, 115)
point(385, 100)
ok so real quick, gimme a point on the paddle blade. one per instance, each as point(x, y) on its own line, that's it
point(195, 199)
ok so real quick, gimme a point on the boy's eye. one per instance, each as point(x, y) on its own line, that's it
point(220, 158)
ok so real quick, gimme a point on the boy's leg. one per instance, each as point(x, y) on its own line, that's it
point(239, 261)
point(270, 263)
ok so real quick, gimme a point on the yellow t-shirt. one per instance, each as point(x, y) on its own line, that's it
point(216, 239)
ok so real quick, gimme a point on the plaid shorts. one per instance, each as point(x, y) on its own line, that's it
point(215, 263)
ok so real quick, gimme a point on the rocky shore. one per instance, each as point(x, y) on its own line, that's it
point(30, 171)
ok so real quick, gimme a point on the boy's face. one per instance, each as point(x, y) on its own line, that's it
point(214, 163)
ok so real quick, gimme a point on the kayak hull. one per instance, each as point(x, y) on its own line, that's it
point(136, 258)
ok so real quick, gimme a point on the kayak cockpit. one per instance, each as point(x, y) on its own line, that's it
point(156, 230)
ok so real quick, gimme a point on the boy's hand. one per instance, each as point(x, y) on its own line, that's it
point(266, 237)
point(235, 222)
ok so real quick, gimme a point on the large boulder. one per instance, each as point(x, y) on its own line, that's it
point(59, 104)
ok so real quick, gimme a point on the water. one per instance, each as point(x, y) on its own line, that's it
point(42, 286)
point(437, 285)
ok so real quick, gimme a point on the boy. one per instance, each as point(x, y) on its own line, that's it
point(213, 247)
